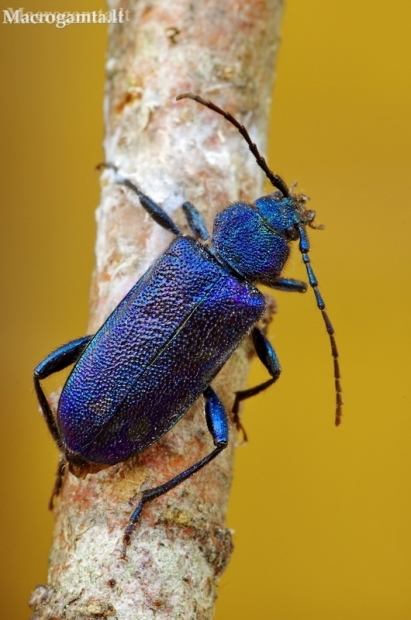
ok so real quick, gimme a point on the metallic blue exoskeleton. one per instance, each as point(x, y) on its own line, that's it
point(168, 338)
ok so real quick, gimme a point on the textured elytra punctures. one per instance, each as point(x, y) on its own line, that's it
point(175, 152)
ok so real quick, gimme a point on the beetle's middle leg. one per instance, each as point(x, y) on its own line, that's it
point(265, 353)
point(217, 423)
point(268, 357)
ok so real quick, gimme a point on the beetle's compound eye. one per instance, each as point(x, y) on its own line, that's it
point(277, 195)
point(292, 233)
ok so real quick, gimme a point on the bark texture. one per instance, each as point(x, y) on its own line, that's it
point(225, 51)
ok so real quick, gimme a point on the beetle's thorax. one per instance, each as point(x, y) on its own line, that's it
point(255, 238)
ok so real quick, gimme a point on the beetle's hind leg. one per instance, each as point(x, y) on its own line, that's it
point(217, 423)
point(154, 210)
point(58, 360)
point(268, 357)
point(61, 468)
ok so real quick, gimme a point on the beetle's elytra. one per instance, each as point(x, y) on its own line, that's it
point(124, 392)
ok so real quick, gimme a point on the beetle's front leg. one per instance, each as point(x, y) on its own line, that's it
point(290, 285)
point(195, 221)
point(154, 210)
point(217, 423)
point(268, 357)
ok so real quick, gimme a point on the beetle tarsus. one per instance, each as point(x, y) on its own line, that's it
point(61, 468)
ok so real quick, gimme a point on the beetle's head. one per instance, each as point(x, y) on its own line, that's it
point(285, 214)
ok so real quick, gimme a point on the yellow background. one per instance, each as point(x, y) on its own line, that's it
point(322, 515)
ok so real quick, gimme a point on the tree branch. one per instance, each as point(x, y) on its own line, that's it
point(174, 152)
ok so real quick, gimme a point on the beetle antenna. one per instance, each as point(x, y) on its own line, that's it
point(275, 179)
point(280, 184)
point(304, 249)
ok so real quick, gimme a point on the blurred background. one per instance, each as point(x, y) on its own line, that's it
point(321, 515)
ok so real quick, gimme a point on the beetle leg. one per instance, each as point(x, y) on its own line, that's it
point(57, 360)
point(61, 468)
point(268, 357)
point(217, 423)
point(154, 210)
point(195, 221)
point(290, 285)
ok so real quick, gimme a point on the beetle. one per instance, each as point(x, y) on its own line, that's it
point(124, 392)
